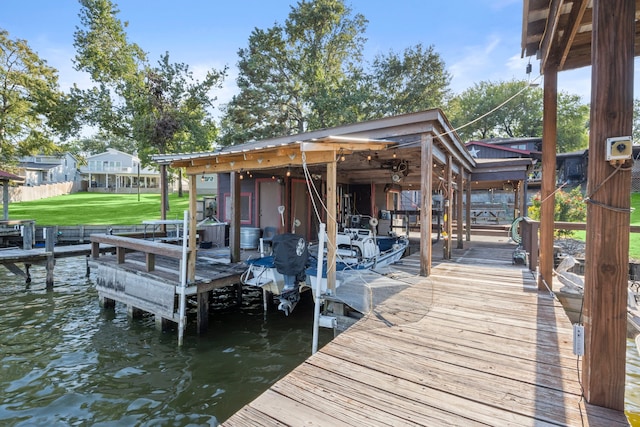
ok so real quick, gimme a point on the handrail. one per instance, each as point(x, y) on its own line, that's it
point(529, 232)
point(122, 244)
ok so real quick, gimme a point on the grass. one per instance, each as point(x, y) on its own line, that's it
point(125, 209)
point(97, 209)
point(634, 238)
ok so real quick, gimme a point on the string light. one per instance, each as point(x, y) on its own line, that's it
point(288, 172)
point(202, 177)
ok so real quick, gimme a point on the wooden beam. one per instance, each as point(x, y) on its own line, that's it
point(448, 208)
point(193, 199)
point(344, 146)
point(426, 205)
point(548, 187)
point(332, 226)
point(276, 159)
point(459, 203)
point(468, 209)
point(234, 229)
point(608, 213)
point(549, 41)
point(575, 17)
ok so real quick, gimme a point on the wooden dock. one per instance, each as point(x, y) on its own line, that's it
point(473, 344)
point(145, 276)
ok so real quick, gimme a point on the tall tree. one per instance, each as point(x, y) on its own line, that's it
point(33, 110)
point(416, 80)
point(160, 109)
point(512, 109)
point(293, 77)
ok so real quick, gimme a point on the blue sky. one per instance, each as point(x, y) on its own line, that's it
point(478, 39)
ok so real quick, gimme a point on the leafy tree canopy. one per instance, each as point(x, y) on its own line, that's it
point(32, 107)
point(513, 109)
point(159, 109)
point(309, 74)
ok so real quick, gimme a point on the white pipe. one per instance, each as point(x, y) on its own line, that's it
point(183, 281)
point(316, 311)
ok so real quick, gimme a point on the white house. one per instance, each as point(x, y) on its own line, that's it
point(119, 172)
point(48, 169)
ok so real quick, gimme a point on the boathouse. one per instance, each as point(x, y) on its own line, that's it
point(374, 160)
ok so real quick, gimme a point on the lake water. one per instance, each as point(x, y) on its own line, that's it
point(65, 361)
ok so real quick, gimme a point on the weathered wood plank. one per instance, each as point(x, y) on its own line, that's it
point(469, 345)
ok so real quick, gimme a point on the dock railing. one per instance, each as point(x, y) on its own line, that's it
point(529, 229)
point(127, 244)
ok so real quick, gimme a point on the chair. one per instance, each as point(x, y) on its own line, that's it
point(268, 234)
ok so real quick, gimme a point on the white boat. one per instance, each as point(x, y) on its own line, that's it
point(571, 296)
point(281, 275)
point(359, 249)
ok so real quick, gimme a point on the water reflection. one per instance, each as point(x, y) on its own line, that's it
point(65, 361)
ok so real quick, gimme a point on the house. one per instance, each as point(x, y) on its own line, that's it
point(43, 169)
point(119, 172)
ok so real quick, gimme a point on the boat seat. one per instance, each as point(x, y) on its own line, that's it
point(268, 235)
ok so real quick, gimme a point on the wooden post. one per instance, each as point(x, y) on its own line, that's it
point(164, 197)
point(234, 229)
point(193, 232)
point(459, 223)
point(426, 205)
point(27, 235)
point(48, 247)
point(5, 200)
point(448, 209)
point(202, 323)
point(608, 188)
point(468, 209)
point(549, 134)
point(332, 225)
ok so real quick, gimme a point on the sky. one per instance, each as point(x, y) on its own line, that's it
point(478, 40)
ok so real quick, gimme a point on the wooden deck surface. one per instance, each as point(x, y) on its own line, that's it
point(473, 344)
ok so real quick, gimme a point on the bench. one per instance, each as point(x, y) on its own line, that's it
point(124, 244)
point(487, 211)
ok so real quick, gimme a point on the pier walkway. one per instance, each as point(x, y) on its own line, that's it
point(473, 344)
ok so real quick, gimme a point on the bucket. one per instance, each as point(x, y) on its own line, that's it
point(249, 237)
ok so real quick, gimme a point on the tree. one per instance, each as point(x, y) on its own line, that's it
point(512, 109)
point(33, 110)
point(636, 121)
point(573, 123)
point(415, 81)
point(160, 109)
point(294, 77)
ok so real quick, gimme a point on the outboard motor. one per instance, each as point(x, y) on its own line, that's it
point(290, 255)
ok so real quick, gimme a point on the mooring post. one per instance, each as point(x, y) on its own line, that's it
point(48, 247)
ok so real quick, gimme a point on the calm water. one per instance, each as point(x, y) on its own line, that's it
point(65, 361)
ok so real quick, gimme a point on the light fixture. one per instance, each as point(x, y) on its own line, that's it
point(241, 176)
point(202, 177)
point(288, 172)
point(369, 158)
point(394, 154)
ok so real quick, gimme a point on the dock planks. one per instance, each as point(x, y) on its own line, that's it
point(473, 344)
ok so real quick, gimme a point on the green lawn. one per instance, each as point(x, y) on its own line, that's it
point(125, 209)
point(634, 238)
point(97, 209)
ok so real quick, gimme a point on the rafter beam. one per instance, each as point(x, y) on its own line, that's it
point(547, 43)
point(575, 16)
point(255, 162)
